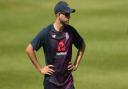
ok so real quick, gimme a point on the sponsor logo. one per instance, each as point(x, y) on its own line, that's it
point(61, 53)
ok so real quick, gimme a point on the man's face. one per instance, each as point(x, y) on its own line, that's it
point(64, 18)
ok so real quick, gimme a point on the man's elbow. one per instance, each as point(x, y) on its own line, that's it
point(83, 46)
point(29, 49)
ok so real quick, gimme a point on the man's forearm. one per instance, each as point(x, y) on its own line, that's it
point(43, 70)
point(31, 54)
point(79, 55)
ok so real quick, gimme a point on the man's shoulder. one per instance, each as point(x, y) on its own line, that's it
point(49, 27)
point(70, 27)
point(46, 29)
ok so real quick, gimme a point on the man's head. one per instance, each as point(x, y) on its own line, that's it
point(63, 11)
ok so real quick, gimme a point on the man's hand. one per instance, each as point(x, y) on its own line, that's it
point(71, 67)
point(47, 70)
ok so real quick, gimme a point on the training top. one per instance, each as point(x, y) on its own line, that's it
point(57, 47)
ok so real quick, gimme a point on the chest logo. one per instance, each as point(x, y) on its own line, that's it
point(61, 46)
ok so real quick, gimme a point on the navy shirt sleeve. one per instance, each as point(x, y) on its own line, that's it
point(77, 39)
point(38, 41)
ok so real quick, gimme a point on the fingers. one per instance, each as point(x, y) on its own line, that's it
point(51, 71)
point(50, 66)
point(48, 70)
point(70, 66)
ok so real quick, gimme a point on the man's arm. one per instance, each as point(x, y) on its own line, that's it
point(80, 53)
point(32, 55)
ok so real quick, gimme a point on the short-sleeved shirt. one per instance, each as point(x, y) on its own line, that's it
point(57, 48)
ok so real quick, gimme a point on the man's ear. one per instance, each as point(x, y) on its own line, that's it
point(58, 14)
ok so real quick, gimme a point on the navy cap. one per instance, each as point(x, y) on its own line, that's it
point(62, 6)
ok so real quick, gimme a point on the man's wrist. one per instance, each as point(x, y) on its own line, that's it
point(75, 67)
point(39, 69)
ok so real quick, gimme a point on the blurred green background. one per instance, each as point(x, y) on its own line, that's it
point(102, 23)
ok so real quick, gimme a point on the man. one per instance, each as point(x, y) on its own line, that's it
point(57, 40)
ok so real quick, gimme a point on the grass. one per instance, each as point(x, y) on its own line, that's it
point(102, 23)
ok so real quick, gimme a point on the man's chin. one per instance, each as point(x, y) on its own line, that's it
point(67, 22)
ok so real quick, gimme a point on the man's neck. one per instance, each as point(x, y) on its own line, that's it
point(58, 26)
